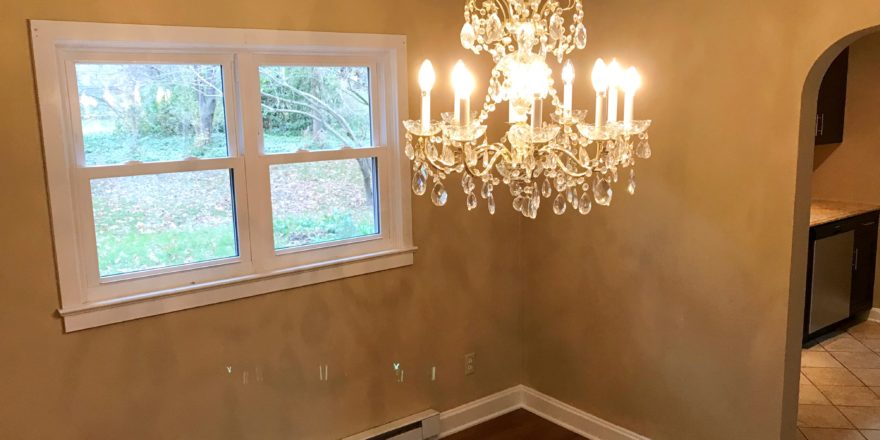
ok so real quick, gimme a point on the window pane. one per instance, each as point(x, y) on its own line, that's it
point(315, 108)
point(151, 112)
point(163, 220)
point(318, 202)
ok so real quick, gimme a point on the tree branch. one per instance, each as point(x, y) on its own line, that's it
point(323, 104)
point(315, 117)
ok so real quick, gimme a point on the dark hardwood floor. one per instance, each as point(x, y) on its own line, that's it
point(517, 425)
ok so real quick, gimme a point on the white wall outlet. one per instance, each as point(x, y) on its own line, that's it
point(470, 366)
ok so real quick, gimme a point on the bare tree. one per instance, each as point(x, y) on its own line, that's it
point(208, 90)
point(323, 115)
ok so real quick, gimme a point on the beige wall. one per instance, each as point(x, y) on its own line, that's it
point(670, 313)
point(166, 377)
point(848, 171)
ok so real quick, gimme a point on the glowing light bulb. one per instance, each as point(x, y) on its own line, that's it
point(600, 76)
point(630, 82)
point(462, 80)
point(568, 72)
point(615, 74)
point(463, 83)
point(427, 77)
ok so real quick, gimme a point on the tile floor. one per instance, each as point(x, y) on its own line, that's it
point(840, 386)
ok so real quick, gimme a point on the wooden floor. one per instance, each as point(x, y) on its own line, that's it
point(517, 425)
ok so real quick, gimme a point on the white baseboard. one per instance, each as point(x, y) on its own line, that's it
point(874, 314)
point(480, 410)
point(574, 419)
point(521, 396)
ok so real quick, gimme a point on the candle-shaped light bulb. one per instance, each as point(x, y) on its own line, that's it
point(463, 83)
point(630, 83)
point(600, 84)
point(537, 113)
point(615, 74)
point(567, 80)
point(427, 77)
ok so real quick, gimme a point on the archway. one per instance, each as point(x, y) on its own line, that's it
point(800, 233)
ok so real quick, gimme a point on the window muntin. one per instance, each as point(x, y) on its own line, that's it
point(295, 239)
point(150, 112)
point(314, 108)
point(146, 222)
point(323, 202)
point(90, 300)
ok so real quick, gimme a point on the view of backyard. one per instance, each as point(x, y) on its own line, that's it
point(163, 112)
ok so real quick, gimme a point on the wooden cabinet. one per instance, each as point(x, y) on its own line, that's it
point(840, 273)
point(831, 106)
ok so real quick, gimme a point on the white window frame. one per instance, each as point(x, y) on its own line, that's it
point(88, 300)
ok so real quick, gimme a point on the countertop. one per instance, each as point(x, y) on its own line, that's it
point(827, 211)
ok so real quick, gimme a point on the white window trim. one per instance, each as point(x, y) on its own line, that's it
point(391, 249)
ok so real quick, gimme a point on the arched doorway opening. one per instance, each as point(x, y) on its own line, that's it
point(801, 233)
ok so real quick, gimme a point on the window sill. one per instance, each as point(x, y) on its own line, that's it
point(112, 311)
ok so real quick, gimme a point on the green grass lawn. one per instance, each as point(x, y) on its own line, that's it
point(148, 222)
point(111, 149)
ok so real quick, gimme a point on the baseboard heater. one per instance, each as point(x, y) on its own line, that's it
point(422, 426)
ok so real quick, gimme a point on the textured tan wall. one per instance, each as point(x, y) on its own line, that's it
point(165, 377)
point(668, 314)
point(848, 171)
point(671, 313)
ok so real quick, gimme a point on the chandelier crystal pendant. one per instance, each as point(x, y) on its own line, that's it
point(571, 157)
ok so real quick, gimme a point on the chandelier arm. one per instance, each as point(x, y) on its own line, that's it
point(566, 153)
point(570, 6)
point(542, 8)
point(571, 172)
point(435, 162)
point(495, 149)
point(453, 167)
point(503, 6)
point(487, 170)
point(442, 166)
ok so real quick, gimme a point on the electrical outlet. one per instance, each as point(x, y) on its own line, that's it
point(470, 365)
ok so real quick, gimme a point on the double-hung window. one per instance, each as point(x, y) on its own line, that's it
point(189, 166)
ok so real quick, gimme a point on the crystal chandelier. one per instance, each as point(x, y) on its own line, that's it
point(571, 157)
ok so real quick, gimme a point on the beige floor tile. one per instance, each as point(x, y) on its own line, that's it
point(821, 416)
point(871, 434)
point(865, 330)
point(799, 435)
point(873, 344)
point(854, 360)
point(820, 359)
point(810, 395)
point(843, 342)
point(850, 396)
point(831, 434)
point(831, 376)
point(870, 376)
point(863, 417)
point(817, 347)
